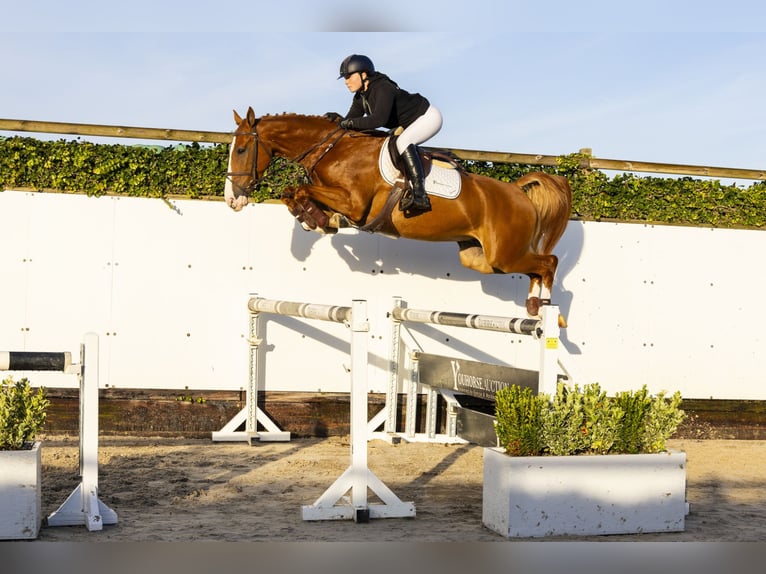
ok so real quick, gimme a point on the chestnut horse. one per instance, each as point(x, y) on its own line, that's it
point(500, 227)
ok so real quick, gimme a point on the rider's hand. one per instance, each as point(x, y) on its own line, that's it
point(346, 124)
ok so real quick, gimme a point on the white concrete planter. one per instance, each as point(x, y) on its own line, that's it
point(584, 495)
point(20, 512)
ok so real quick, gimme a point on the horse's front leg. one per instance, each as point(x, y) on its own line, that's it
point(302, 211)
point(337, 199)
point(313, 201)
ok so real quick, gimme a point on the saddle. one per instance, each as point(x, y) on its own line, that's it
point(440, 158)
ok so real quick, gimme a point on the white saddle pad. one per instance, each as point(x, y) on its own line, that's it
point(441, 181)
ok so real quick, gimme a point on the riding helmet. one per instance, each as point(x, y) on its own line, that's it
point(356, 63)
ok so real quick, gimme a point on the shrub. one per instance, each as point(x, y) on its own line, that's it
point(661, 421)
point(199, 171)
point(519, 421)
point(22, 413)
point(584, 421)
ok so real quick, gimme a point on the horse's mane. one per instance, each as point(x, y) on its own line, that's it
point(293, 115)
point(312, 117)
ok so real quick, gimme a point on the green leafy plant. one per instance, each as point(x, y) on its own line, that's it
point(280, 175)
point(191, 399)
point(192, 170)
point(199, 171)
point(519, 421)
point(602, 418)
point(564, 422)
point(650, 199)
point(661, 421)
point(22, 413)
point(634, 405)
point(584, 421)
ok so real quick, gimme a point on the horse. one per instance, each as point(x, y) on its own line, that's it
point(500, 227)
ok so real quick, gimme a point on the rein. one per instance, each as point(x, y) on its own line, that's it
point(331, 145)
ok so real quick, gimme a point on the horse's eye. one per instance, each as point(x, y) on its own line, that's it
point(241, 150)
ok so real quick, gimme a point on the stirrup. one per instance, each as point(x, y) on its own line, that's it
point(409, 202)
point(421, 203)
point(407, 199)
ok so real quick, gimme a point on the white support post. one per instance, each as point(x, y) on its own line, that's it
point(251, 414)
point(452, 409)
point(394, 360)
point(358, 478)
point(83, 506)
point(411, 425)
point(432, 406)
point(254, 414)
point(549, 347)
point(360, 328)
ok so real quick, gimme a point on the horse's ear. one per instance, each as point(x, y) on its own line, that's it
point(237, 119)
point(250, 116)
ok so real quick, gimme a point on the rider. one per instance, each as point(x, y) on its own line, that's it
point(379, 102)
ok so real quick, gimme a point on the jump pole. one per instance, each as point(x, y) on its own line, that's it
point(83, 506)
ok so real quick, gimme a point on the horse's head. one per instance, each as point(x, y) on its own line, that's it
point(248, 158)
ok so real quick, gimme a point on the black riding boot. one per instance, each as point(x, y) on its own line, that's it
point(417, 198)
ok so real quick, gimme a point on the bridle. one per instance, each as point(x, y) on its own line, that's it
point(255, 180)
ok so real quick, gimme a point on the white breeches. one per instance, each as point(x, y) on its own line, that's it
point(422, 129)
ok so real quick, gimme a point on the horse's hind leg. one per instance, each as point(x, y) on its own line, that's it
point(541, 270)
point(472, 256)
point(534, 296)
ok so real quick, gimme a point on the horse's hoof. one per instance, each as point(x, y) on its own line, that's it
point(533, 307)
point(338, 221)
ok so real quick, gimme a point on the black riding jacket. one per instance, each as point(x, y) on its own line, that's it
point(384, 104)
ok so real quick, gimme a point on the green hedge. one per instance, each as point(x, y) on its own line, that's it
point(630, 197)
point(97, 169)
point(198, 171)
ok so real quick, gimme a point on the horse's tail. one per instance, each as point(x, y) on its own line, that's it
point(552, 198)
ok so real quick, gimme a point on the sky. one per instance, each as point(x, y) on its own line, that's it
point(657, 81)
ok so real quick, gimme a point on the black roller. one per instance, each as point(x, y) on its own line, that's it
point(31, 361)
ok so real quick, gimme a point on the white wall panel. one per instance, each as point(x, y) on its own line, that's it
point(166, 287)
point(14, 269)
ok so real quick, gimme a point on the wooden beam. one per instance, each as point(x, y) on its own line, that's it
point(501, 157)
point(114, 131)
point(696, 170)
point(611, 164)
point(469, 155)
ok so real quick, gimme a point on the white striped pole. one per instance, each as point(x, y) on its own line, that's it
point(306, 310)
point(531, 327)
